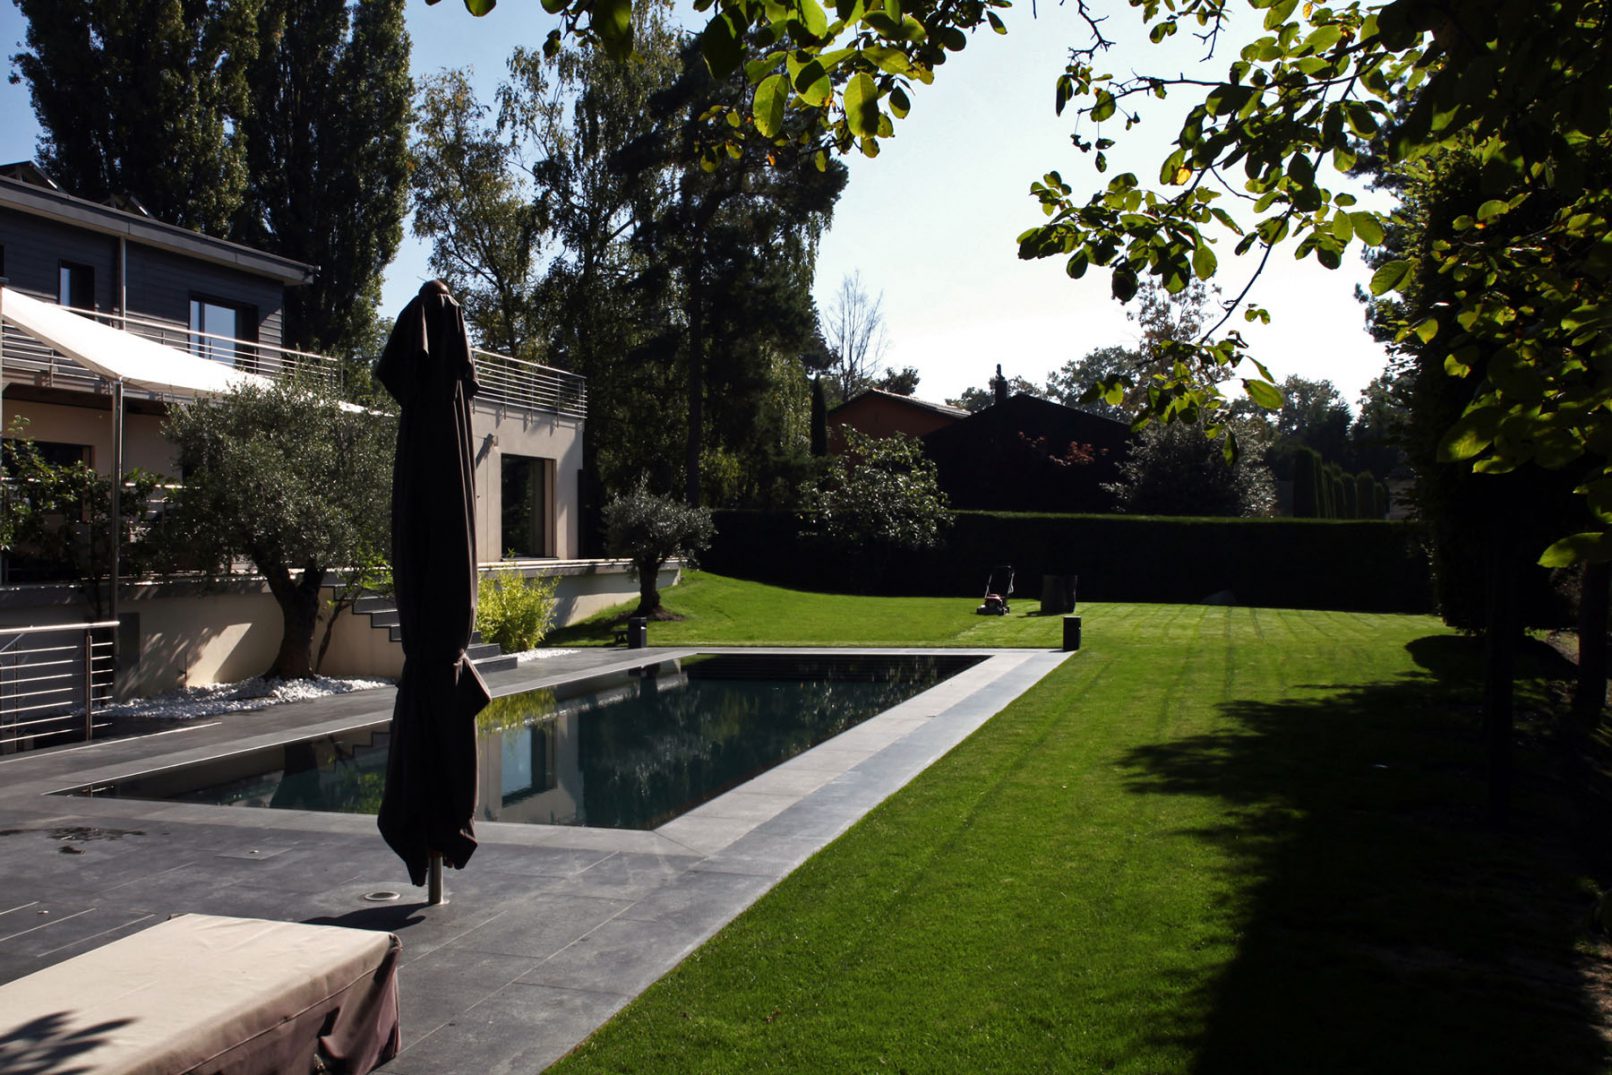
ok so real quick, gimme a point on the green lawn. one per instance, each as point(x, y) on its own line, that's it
point(1240, 840)
point(728, 612)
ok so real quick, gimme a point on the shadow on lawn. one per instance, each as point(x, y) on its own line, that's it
point(1387, 929)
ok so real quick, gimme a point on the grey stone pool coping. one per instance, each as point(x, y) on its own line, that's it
point(548, 931)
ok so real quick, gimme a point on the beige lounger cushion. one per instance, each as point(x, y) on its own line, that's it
point(208, 994)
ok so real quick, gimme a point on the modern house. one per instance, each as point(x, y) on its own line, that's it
point(157, 315)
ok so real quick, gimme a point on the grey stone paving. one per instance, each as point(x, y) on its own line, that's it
point(548, 932)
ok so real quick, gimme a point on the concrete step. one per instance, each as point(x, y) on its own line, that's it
point(483, 650)
point(374, 603)
point(388, 618)
point(501, 663)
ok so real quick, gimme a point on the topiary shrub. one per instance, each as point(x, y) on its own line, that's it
point(513, 610)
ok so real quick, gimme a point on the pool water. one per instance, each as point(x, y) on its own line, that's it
point(630, 750)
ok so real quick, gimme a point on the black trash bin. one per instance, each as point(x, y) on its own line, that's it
point(1071, 632)
point(637, 632)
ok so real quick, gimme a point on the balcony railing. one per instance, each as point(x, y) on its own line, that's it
point(505, 381)
point(52, 680)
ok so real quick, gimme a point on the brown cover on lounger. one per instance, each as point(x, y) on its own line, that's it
point(198, 993)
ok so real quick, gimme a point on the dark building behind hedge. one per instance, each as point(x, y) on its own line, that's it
point(1280, 563)
point(1029, 454)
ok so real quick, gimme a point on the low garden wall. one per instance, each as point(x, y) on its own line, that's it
point(1281, 563)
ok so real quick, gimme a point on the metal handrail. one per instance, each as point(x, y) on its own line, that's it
point(505, 380)
point(32, 668)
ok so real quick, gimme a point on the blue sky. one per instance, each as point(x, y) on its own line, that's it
point(931, 223)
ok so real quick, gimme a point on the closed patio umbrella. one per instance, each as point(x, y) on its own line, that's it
point(431, 765)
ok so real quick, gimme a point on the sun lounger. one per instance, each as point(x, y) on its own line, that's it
point(200, 993)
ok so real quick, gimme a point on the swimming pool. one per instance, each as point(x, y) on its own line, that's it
point(628, 750)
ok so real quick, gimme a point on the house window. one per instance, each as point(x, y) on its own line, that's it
point(527, 515)
point(75, 286)
point(526, 762)
point(219, 330)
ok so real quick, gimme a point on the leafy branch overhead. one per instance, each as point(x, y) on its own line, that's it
point(1255, 166)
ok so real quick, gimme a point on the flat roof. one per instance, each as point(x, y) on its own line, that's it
point(64, 208)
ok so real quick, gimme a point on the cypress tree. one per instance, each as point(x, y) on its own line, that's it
point(819, 419)
point(1366, 496)
point(326, 134)
point(1305, 493)
point(1350, 501)
point(139, 98)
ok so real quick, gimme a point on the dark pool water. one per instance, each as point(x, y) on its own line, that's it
point(631, 750)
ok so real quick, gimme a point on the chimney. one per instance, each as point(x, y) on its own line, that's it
point(999, 385)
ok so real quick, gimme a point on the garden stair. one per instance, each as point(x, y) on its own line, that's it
point(383, 616)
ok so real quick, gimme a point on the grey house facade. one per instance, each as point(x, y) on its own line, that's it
point(221, 302)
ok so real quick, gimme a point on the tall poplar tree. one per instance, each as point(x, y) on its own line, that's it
point(282, 124)
point(326, 141)
point(137, 97)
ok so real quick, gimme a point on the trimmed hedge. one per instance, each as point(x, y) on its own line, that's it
point(1361, 566)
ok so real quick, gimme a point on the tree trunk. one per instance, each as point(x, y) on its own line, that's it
point(696, 392)
point(1589, 695)
point(648, 587)
point(1500, 644)
point(299, 611)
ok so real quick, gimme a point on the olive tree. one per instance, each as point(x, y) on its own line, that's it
point(287, 478)
point(649, 530)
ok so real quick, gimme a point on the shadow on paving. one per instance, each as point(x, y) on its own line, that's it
point(1385, 927)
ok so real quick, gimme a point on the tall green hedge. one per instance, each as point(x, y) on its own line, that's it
point(1283, 563)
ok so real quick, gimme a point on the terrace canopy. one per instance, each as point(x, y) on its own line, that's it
point(121, 356)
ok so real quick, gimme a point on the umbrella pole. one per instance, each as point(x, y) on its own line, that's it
point(434, 881)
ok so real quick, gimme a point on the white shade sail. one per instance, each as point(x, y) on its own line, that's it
point(118, 355)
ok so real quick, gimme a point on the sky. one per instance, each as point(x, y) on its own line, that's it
point(931, 224)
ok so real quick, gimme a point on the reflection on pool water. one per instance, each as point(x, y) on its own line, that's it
point(630, 750)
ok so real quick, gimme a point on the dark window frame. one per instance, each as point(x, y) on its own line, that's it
point(241, 354)
point(75, 284)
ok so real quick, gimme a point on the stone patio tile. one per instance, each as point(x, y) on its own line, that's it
point(623, 955)
point(699, 900)
point(704, 835)
point(537, 861)
point(436, 987)
point(518, 1030)
point(540, 925)
point(770, 856)
point(749, 806)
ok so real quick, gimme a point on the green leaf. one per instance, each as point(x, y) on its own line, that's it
point(1368, 226)
point(1389, 276)
point(612, 21)
point(862, 106)
point(1279, 13)
point(888, 59)
point(1124, 285)
point(1490, 209)
point(771, 96)
point(1263, 393)
point(1203, 260)
point(899, 104)
point(1588, 547)
point(813, 85)
point(480, 7)
point(1105, 106)
point(1473, 432)
point(718, 42)
point(1427, 329)
point(813, 17)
